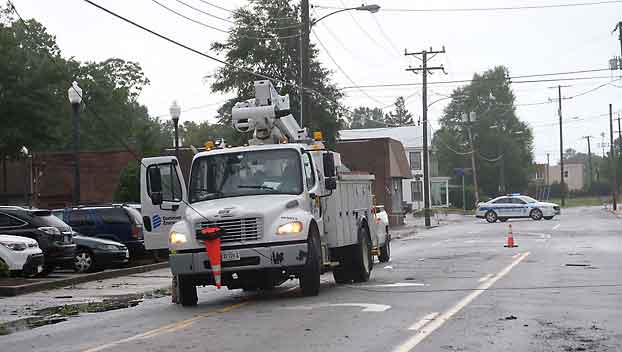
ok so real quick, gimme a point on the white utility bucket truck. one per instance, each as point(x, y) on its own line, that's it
point(284, 209)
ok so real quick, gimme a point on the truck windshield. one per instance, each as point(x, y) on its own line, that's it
point(246, 173)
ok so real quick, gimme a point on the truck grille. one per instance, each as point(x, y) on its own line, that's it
point(237, 230)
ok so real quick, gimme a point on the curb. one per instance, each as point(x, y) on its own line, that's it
point(9, 291)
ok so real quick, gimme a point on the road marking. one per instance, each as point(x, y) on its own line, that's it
point(367, 307)
point(440, 320)
point(421, 323)
point(401, 284)
point(166, 328)
point(484, 278)
point(556, 227)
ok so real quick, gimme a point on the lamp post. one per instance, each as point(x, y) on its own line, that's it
point(175, 111)
point(304, 50)
point(75, 98)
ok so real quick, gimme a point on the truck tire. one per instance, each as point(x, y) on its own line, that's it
point(310, 278)
point(363, 260)
point(187, 292)
point(385, 250)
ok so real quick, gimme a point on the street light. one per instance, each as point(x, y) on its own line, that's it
point(304, 48)
point(75, 98)
point(175, 111)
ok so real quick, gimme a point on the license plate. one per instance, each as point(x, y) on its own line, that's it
point(39, 268)
point(230, 256)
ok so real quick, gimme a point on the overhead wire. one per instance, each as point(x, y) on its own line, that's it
point(220, 29)
point(489, 9)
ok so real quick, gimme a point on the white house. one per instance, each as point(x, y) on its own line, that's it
point(411, 138)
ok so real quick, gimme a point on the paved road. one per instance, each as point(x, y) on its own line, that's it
point(453, 288)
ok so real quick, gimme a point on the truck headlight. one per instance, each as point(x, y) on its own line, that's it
point(177, 238)
point(290, 227)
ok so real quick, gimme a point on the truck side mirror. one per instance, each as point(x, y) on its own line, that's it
point(330, 183)
point(155, 184)
point(328, 160)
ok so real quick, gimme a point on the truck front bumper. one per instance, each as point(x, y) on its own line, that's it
point(252, 257)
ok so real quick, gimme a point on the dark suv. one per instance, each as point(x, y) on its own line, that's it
point(117, 223)
point(54, 236)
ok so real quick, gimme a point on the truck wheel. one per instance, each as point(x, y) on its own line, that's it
point(187, 292)
point(385, 250)
point(363, 261)
point(310, 278)
point(536, 214)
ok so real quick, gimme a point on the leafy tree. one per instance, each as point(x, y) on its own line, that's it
point(496, 132)
point(364, 117)
point(276, 55)
point(400, 116)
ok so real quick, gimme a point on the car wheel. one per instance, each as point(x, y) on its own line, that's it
point(503, 219)
point(548, 218)
point(310, 278)
point(491, 216)
point(83, 261)
point(536, 214)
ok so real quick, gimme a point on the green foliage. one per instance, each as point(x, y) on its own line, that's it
point(400, 116)
point(364, 117)
point(128, 189)
point(497, 131)
point(34, 78)
point(278, 58)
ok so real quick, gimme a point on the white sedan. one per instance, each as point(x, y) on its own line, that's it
point(516, 206)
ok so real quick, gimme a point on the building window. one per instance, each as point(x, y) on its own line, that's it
point(416, 195)
point(415, 160)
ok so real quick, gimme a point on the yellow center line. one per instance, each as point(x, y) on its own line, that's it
point(167, 328)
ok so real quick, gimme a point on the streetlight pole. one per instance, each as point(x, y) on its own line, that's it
point(305, 57)
point(175, 111)
point(75, 98)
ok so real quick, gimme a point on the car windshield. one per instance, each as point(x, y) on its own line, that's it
point(246, 173)
point(528, 199)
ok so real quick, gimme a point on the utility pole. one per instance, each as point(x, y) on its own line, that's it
point(612, 162)
point(304, 64)
point(561, 144)
point(589, 160)
point(426, 170)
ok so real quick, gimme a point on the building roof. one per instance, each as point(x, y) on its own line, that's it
point(409, 136)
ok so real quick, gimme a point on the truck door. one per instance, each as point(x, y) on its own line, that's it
point(158, 219)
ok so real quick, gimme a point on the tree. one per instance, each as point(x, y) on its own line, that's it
point(400, 116)
point(500, 139)
point(277, 55)
point(364, 117)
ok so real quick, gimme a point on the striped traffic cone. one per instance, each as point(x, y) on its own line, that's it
point(212, 247)
point(510, 243)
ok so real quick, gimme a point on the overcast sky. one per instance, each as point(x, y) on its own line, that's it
point(369, 48)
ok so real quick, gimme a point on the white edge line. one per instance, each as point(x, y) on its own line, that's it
point(440, 320)
point(423, 321)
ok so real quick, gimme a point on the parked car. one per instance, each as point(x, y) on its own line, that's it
point(382, 226)
point(97, 253)
point(21, 254)
point(52, 235)
point(116, 223)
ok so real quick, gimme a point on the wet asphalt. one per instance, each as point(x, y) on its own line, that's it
point(451, 288)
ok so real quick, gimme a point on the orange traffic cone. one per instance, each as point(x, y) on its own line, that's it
point(510, 243)
point(212, 247)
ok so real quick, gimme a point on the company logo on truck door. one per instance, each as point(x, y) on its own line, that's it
point(156, 221)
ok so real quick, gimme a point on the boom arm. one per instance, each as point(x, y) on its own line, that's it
point(268, 116)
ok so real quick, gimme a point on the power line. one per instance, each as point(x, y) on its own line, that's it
point(220, 29)
point(490, 9)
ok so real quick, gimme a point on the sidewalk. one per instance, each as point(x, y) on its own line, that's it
point(44, 307)
point(415, 225)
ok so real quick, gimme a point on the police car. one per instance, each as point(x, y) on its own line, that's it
point(516, 206)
